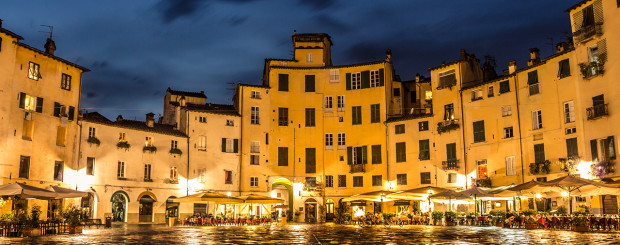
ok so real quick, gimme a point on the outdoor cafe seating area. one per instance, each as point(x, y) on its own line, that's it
point(211, 221)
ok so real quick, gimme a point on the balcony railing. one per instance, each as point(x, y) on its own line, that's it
point(591, 69)
point(448, 125)
point(597, 111)
point(450, 165)
point(357, 168)
point(588, 31)
point(534, 88)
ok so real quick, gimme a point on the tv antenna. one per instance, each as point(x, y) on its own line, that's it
point(51, 30)
point(552, 43)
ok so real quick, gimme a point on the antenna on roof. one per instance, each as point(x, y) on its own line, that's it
point(552, 43)
point(50, 32)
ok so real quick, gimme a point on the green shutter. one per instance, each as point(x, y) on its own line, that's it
point(56, 109)
point(594, 150)
point(349, 155)
point(236, 145)
point(39, 105)
point(364, 154)
point(22, 100)
point(348, 81)
point(381, 80)
point(532, 77)
point(365, 79)
point(71, 112)
point(223, 144)
point(612, 148)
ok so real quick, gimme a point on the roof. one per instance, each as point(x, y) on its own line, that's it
point(200, 94)
point(477, 83)
point(408, 117)
point(253, 85)
point(10, 33)
point(95, 117)
point(213, 108)
point(309, 37)
point(330, 67)
point(544, 61)
point(444, 65)
point(576, 5)
point(54, 57)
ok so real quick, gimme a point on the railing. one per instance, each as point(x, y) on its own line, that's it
point(591, 69)
point(588, 31)
point(534, 88)
point(448, 125)
point(474, 98)
point(486, 182)
point(282, 123)
point(450, 165)
point(357, 168)
point(597, 111)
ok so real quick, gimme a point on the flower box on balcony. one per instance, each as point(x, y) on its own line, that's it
point(151, 149)
point(93, 140)
point(176, 151)
point(540, 167)
point(123, 145)
point(448, 125)
point(450, 165)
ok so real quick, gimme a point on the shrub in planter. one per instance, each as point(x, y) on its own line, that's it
point(580, 220)
point(72, 218)
point(500, 218)
point(176, 151)
point(437, 216)
point(93, 140)
point(123, 145)
point(561, 210)
point(450, 218)
point(32, 222)
point(152, 149)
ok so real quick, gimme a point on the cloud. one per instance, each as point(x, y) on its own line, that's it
point(174, 9)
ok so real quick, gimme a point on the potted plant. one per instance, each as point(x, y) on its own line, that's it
point(500, 218)
point(32, 227)
point(123, 145)
point(93, 140)
point(530, 220)
point(450, 218)
point(561, 210)
point(580, 220)
point(176, 151)
point(437, 217)
point(72, 218)
point(388, 216)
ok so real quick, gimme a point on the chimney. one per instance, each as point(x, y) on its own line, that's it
point(512, 67)
point(561, 47)
point(119, 118)
point(50, 46)
point(150, 119)
point(534, 56)
point(388, 55)
point(417, 77)
point(182, 101)
point(463, 54)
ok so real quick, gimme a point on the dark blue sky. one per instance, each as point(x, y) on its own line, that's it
point(136, 49)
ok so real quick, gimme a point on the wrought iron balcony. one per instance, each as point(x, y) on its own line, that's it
point(357, 168)
point(588, 31)
point(448, 125)
point(597, 111)
point(450, 165)
point(591, 69)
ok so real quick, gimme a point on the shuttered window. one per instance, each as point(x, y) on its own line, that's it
point(401, 152)
point(375, 113)
point(425, 178)
point(479, 131)
point(539, 153)
point(563, 68)
point(310, 160)
point(537, 119)
point(230, 145)
point(310, 119)
point(356, 115)
point(594, 150)
point(357, 155)
point(377, 180)
point(342, 180)
point(376, 154)
point(425, 153)
point(358, 181)
point(310, 83)
point(282, 156)
point(283, 82)
point(283, 116)
point(399, 129)
point(510, 166)
point(401, 179)
point(423, 126)
point(571, 148)
point(569, 112)
point(504, 87)
point(451, 152)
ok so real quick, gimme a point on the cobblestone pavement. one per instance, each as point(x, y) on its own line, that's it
point(318, 234)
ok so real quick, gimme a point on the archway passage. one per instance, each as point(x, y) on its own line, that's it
point(311, 210)
point(172, 208)
point(119, 206)
point(289, 187)
point(146, 209)
point(87, 203)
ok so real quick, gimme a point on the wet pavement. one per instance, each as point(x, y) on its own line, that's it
point(318, 234)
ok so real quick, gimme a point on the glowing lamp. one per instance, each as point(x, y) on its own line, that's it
point(538, 195)
point(564, 194)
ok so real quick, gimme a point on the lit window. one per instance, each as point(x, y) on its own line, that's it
point(65, 82)
point(173, 174)
point(255, 94)
point(230, 122)
point(149, 141)
point(33, 71)
point(121, 137)
point(309, 58)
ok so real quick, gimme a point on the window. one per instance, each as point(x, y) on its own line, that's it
point(24, 167)
point(61, 133)
point(376, 154)
point(571, 130)
point(174, 144)
point(228, 177)
point(598, 107)
point(571, 148)
point(340, 103)
point(28, 129)
point(59, 167)
point(255, 115)
point(334, 76)
point(309, 58)
point(120, 170)
point(149, 141)
point(329, 181)
point(255, 94)
point(511, 170)
point(342, 141)
point(377, 180)
point(504, 87)
point(61, 110)
point(174, 175)
point(310, 160)
point(255, 147)
point(564, 69)
point(539, 153)
point(329, 141)
point(423, 126)
point(310, 182)
point(30, 103)
point(358, 181)
point(508, 133)
point(310, 83)
point(230, 122)
point(375, 113)
point(202, 143)
point(482, 169)
point(374, 79)
point(33, 71)
point(356, 81)
point(357, 155)
point(506, 111)
point(230, 145)
point(537, 120)
point(569, 112)
point(447, 79)
point(253, 181)
point(425, 178)
point(202, 119)
point(201, 175)
point(282, 156)
point(479, 132)
point(476, 95)
point(532, 81)
point(593, 150)
point(401, 179)
point(283, 82)
point(283, 116)
point(91, 132)
point(329, 106)
point(342, 181)
point(399, 129)
point(90, 166)
point(65, 82)
point(357, 115)
point(254, 159)
point(147, 173)
point(396, 92)
point(401, 152)
point(121, 137)
point(451, 178)
point(425, 151)
point(0, 44)
point(451, 152)
point(310, 122)
point(490, 91)
point(448, 112)
point(266, 138)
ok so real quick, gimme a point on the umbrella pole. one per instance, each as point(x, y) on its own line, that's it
point(476, 205)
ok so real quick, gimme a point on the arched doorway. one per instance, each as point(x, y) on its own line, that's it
point(146, 208)
point(289, 187)
point(311, 210)
point(329, 210)
point(88, 203)
point(119, 206)
point(172, 208)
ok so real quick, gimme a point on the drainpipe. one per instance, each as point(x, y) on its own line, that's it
point(187, 179)
point(520, 127)
point(240, 138)
point(463, 127)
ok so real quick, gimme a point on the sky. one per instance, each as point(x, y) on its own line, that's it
point(137, 49)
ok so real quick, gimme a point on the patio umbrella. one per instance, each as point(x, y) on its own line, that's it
point(476, 192)
point(370, 196)
point(424, 190)
point(209, 197)
point(449, 194)
point(21, 190)
point(571, 183)
point(283, 206)
point(260, 199)
point(65, 192)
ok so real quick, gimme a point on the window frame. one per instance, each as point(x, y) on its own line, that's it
point(121, 170)
point(65, 82)
point(254, 115)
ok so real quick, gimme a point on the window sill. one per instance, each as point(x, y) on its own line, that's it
point(148, 180)
point(60, 145)
point(27, 139)
point(202, 149)
point(329, 148)
point(228, 183)
point(121, 178)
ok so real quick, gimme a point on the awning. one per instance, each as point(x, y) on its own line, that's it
point(209, 197)
point(147, 199)
point(402, 203)
point(358, 203)
point(65, 192)
point(260, 199)
point(21, 190)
